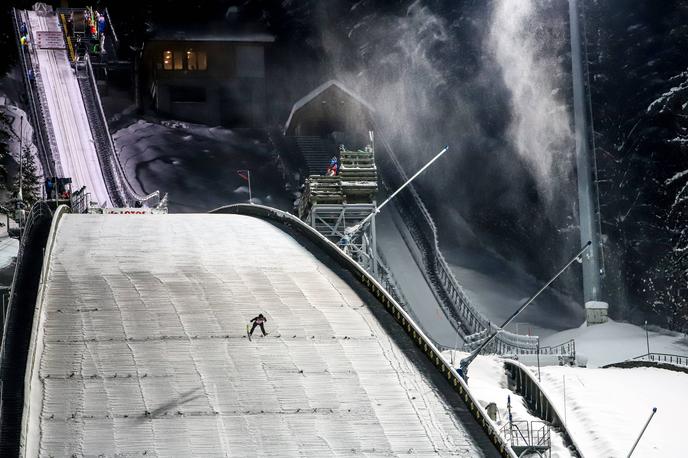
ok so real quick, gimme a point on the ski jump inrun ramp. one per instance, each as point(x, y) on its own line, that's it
point(139, 346)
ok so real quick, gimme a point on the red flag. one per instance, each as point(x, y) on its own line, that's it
point(243, 174)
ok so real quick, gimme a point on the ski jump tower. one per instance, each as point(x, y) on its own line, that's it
point(331, 204)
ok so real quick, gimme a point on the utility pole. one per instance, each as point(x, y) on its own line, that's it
point(647, 339)
point(588, 213)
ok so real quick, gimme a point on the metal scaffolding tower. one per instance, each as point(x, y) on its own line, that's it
point(343, 199)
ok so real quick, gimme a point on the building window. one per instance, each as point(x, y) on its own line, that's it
point(178, 56)
point(196, 60)
point(202, 61)
point(172, 60)
point(167, 60)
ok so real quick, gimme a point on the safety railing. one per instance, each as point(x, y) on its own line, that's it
point(567, 348)
point(80, 200)
point(111, 29)
point(389, 303)
point(463, 315)
point(524, 436)
point(68, 39)
point(678, 360)
point(44, 138)
point(119, 188)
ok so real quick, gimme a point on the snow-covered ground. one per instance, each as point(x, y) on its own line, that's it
point(613, 342)
point(488, 383)
point(605, 409)
point(197, 165)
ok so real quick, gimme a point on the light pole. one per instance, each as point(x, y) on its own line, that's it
point(588, 213)
point(647, 339)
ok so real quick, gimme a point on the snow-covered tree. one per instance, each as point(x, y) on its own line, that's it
point(5, 137)
point(30, 183)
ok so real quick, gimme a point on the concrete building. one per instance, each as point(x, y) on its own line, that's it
point(214, 75)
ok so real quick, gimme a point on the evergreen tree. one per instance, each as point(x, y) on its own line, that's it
point(5, 138)
point(30, 182)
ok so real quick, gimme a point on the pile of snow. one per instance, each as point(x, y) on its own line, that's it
point(613, 342)
point(197, 165)
point(607, 408)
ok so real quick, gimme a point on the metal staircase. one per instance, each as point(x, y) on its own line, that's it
point(317, 153)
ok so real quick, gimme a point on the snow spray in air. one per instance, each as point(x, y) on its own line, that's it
point(528, 48)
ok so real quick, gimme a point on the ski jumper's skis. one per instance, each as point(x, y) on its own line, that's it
point(248, 332)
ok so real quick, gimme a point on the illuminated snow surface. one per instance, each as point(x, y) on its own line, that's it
point(142, 348)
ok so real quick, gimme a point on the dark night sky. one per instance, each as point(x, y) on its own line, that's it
point(433, 53)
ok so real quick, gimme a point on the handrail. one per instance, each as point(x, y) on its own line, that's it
point(33, 357)
point(465, 312)
point(68, 39)
point(663, 358)
point(409, 326)
point(111, 27)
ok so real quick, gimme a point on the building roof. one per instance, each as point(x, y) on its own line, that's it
point(319, 90)
point(217, 32)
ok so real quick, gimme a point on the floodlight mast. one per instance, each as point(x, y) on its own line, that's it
point(351, 231)
point(464, 363)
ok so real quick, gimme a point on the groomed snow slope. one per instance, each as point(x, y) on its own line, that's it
point(141, 348)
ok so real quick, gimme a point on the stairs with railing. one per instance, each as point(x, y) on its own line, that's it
point(316, 152)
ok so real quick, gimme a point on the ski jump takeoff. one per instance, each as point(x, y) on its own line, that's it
point(257, 321)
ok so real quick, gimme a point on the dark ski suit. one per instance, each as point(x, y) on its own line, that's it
point(258, 321)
